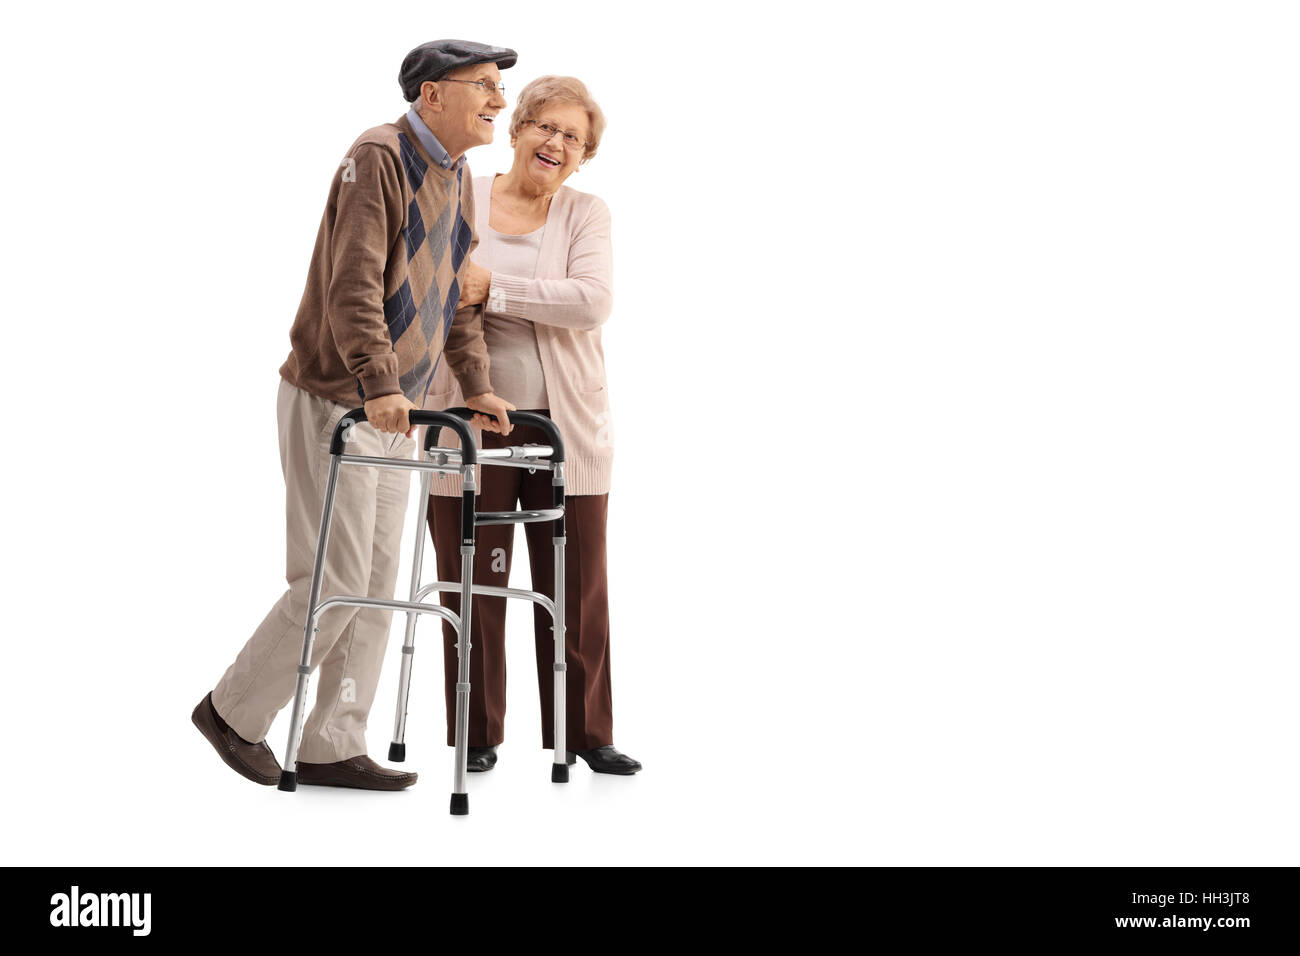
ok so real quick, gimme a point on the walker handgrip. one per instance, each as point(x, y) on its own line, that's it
point(417, 416)
point(523, 418)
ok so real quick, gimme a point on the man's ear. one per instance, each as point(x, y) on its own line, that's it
point(429, 97)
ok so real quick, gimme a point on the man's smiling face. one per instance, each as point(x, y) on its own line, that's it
point(471, 111)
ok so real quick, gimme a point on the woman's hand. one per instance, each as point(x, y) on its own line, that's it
point(477, 282)
point(492, 404)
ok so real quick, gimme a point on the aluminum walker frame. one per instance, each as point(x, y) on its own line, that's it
point(459, 461)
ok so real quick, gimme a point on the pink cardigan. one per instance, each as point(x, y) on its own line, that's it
point(568, 300)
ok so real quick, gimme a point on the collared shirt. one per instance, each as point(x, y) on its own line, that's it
point(430, 142)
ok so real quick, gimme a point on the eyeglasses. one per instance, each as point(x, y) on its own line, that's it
point(487, 86)
point(548, 131)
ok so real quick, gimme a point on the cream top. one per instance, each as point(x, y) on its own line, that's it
point(515, 364)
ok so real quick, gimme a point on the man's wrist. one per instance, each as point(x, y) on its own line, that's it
point(474, 381)
point(378, 383)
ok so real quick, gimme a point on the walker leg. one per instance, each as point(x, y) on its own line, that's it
point(289, 771)
point(397, 749)
point(459, 797)
point(559, 765)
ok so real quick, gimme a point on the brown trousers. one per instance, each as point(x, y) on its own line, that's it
point(589, 721)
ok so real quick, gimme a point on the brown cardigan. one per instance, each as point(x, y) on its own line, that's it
point(568, 299)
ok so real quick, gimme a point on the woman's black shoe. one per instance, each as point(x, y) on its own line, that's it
point(480, 759)
point(606, 760)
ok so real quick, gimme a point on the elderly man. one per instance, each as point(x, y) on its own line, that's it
point(382, 291)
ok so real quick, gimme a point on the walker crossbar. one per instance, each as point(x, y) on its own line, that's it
point(511, 452)
point(400, 464)
point(354, 600)
point(518, 517)
point(436, 460)
point(490, 590)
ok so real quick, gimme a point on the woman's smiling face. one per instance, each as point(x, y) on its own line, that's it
point(546, 160)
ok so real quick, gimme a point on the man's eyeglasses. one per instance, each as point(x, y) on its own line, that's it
point(547, 130)
point(487, 86)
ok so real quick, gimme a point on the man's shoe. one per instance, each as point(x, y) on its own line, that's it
point(606, 760)
point(359, 772)
point(254, 761)
point(480, 759)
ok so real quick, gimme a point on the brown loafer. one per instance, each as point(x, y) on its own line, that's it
point(254, 761)
point(360, 772)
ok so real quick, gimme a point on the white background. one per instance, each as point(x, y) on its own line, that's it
point(953, 367)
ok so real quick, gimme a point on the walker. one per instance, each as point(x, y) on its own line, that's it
point(443, 461)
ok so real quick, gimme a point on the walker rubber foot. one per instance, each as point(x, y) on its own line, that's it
point(397, 752)
point(288, 781)
point(559, 773)
point(459, 804)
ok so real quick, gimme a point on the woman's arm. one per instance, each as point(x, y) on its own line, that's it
point(582, 300)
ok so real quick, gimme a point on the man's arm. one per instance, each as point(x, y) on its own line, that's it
point(466, 351)
point(367, 220)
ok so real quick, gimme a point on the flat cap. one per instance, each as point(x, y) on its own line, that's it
point(432, 60)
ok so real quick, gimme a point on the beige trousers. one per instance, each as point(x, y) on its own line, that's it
point(364, 543)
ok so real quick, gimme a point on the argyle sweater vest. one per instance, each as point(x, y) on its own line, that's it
point(384, 281)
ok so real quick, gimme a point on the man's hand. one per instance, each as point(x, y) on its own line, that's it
point(475, 288)
point(389, 413)
point(493, 404)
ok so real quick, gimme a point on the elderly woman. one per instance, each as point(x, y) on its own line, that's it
point(542, 272)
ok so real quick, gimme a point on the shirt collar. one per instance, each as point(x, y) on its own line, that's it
point(430, 142)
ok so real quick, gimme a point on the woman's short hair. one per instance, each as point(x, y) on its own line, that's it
point(559, 89)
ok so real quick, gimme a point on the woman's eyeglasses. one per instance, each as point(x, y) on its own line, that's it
point(547, 130)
